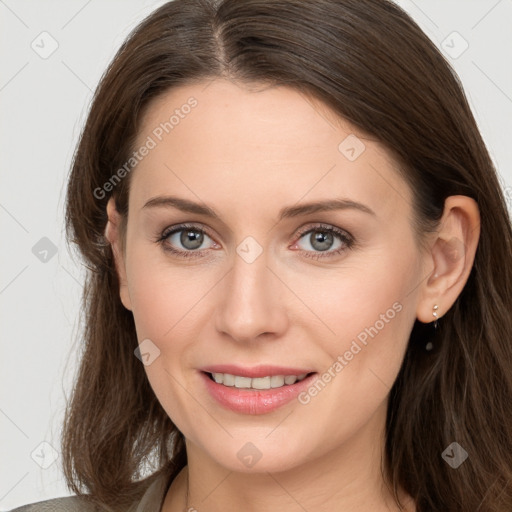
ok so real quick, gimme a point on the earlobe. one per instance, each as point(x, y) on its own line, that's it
point(113, 236)
point(452, 256)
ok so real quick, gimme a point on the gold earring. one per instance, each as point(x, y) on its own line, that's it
point(434, 314)
point(429, 346)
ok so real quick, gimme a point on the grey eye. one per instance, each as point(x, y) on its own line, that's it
point(191, 239)
point(321, 240)
point(187, 239)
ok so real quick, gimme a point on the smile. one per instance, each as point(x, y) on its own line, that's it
point(268, 382)
point(255, 395)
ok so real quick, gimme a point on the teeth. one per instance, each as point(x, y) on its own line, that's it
point(274, 381)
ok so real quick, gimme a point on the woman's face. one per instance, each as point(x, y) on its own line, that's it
point(273, 283)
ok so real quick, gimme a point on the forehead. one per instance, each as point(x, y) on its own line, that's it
point(243, 144)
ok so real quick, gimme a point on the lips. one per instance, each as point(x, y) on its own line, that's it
point(255, 371)
point(254, 401)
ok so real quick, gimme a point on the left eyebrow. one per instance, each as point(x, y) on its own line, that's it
point(287, 212)
point(322, 206)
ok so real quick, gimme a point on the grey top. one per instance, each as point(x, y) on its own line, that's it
point(152, 501)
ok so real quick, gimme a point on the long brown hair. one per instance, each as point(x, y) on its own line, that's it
point(373, 66)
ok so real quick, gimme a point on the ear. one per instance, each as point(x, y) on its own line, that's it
point(112, 234)
point(451, 257)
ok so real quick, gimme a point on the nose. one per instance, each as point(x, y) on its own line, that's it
point(251, 302)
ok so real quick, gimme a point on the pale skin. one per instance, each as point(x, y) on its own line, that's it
point(247, 154)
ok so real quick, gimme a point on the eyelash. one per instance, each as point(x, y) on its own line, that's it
point(345, 237)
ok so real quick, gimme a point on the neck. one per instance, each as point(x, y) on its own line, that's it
point(347, 477)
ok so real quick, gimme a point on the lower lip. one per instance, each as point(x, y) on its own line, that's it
point(252, 401)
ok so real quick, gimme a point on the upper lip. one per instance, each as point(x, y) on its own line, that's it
point(262, 370)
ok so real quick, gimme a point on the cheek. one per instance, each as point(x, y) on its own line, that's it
point(370, 311)
point(164, 297)
point(166, 304)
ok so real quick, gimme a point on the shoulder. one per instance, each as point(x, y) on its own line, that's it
point(153, 490)
point(67, 504)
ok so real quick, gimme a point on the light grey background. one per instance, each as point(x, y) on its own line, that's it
point(44, 102)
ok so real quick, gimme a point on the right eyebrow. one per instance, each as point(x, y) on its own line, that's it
point(181, 204)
